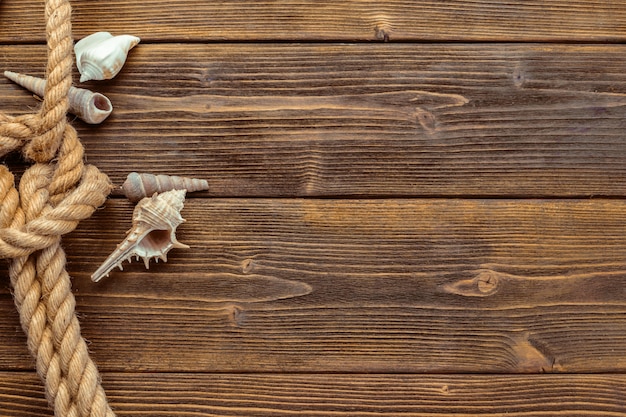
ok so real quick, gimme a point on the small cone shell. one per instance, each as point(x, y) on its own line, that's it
point(153, 233)
point(90, 107)
point(138, 186)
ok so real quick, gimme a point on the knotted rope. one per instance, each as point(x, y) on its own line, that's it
point(55, 193)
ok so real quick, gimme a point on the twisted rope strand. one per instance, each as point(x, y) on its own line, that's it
point(52, 199)
point(52, 114)
point(42, 230)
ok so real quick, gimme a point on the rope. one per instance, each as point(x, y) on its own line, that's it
point(55, 193)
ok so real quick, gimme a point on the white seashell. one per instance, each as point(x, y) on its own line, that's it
point(100, 56)
point(138, 186)
point(91, 107)
point(153, 234)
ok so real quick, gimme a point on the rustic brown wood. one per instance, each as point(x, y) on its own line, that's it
point(562, 20)
point(395, 227)
point(218, 395)
point(274, 285)
point(355, 120)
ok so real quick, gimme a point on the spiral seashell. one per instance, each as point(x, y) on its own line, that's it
point(153, 234)
point(138, 186)
point(100, 56)
point(90, 107)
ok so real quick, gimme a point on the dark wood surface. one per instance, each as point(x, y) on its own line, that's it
point(162, 395)
point(187, 20)
point(431, 225)
point(373, 120)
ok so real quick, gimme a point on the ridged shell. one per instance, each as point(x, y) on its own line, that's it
point(153, 234)
point(101, 56)
point(90, 107)
point(138, 186)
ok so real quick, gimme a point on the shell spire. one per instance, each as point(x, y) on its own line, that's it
point(153, 233)
point(138, 186)
point(90, 107)
point(100, 56)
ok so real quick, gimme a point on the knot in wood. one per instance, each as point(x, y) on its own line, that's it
point(487, 282)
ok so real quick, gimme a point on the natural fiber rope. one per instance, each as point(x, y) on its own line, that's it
point(54, 195)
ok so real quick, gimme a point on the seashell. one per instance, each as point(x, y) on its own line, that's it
point(100, 56)
point(138, 186)
point(153, 234)
point(91, 107)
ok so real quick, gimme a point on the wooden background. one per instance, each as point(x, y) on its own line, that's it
point(417, 208)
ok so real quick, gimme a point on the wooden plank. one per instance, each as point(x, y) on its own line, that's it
point(355, 120)
point(481, 20)
point(340, 395)
point(357, 286)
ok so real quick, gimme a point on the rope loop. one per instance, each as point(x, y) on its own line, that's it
point(54, 194)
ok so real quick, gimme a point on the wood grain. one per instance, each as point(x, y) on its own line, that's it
point(219, 395)
point(186, 20)
point(272, 285)
point(380, 236)
point(363, 120)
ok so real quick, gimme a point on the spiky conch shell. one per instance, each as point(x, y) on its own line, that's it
point(100, 56)
point(153, 233)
